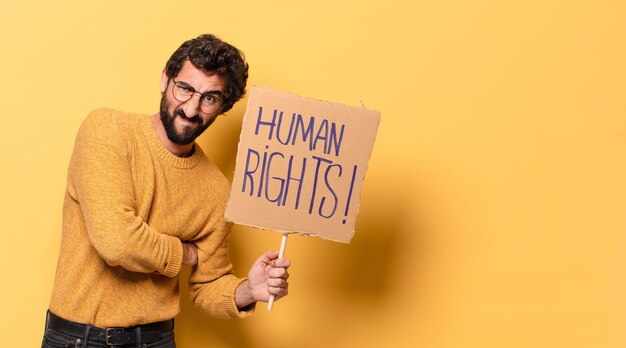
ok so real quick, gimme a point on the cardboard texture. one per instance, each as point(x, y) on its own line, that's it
point(301, 164)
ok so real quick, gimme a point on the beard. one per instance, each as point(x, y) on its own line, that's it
point(192, 129)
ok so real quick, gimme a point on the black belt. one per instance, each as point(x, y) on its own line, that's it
point(113, 336)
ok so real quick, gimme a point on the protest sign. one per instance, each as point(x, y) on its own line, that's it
point(301, 164)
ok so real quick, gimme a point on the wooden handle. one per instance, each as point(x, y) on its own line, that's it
point(281, 254)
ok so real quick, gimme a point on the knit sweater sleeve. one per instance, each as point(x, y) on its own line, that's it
point(100, 181)
point(211, 283)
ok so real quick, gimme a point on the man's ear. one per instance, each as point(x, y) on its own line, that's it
point(164, 80)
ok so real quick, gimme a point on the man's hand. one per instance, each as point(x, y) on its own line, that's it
point(190, 254)
point(268, 275)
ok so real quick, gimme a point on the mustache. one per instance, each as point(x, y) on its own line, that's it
point(180, 113)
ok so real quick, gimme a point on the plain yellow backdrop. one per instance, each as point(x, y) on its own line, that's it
point(493, 211)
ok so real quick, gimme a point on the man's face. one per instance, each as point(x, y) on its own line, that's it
point(184, 121)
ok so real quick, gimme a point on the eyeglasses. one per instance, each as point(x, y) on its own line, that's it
point(210, 102)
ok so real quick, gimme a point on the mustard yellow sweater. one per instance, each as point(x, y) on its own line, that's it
point(128, 205)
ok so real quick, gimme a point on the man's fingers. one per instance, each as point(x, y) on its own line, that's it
point(277, 283)
point(271, 258)
point(268, 257)
point(279, 273)
point(284, 263)
point(279, 292)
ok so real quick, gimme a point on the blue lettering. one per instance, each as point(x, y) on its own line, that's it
point(317, 171)
point(290, 178)
point(281, 181)
point(248, 173)
point(308, 133)
point(333, 138)
point(331, 191)
point(260, 123)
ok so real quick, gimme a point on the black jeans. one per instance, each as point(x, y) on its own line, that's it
point(56, 339)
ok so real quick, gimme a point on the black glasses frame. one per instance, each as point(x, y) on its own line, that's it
point(186, 86)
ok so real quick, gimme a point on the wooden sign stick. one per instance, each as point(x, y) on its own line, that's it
point(281, 254)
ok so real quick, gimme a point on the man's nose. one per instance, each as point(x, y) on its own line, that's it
point(191, 106)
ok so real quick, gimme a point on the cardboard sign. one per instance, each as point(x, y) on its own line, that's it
point(301, 164)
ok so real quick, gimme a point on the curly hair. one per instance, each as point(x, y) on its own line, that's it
point(208, 53)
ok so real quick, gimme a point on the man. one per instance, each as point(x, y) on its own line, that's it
point(142, 199)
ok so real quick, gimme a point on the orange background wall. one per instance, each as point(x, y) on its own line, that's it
point(493, 209)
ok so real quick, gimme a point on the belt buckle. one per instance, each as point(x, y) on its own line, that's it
point(109, 332)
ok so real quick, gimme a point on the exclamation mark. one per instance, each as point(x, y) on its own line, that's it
point(345, 214)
